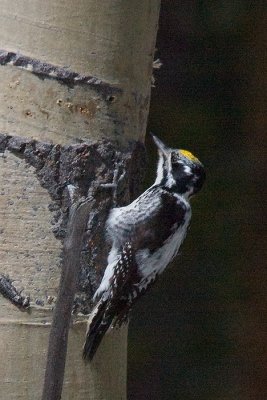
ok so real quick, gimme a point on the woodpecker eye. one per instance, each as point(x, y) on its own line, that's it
point(174, 157)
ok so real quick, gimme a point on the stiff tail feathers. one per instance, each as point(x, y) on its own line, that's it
point(98, 325)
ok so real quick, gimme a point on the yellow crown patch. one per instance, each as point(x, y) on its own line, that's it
point(189, 155)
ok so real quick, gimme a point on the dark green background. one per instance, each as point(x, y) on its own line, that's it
point(201, 331)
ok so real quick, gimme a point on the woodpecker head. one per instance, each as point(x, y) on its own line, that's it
point(178, 170)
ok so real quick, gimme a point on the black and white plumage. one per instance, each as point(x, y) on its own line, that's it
point(145, 235)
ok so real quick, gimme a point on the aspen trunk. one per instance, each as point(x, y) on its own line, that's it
point(70, 72)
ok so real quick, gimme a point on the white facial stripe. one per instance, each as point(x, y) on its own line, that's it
point(170, 181)
point(187, 170)
point(159, 170)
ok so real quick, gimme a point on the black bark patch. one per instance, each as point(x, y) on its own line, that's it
point(3, 142)
point(86, 166)
point(49, 71)
point(10, 292)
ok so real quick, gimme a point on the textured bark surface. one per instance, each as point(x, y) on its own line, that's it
point(84, 166)
point(74, 95)
point(45, 169)
point(22, 376)
point(113, 41)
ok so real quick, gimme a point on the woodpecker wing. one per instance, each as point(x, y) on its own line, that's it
point(138, 232)
point(154, 237)
point(149, 221)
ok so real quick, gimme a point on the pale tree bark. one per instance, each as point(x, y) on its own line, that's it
point(71, 74)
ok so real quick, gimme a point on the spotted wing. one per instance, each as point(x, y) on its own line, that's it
point(149, 221)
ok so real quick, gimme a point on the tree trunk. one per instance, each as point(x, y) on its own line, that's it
point(71, 74)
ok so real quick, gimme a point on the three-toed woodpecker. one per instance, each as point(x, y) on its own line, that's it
point(145, 236)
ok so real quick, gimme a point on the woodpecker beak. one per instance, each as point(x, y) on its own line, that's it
point(162, 148)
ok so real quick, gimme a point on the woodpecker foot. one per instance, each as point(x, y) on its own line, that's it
point(115, 185)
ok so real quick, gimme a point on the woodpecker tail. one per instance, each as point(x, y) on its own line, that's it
point(98, 325)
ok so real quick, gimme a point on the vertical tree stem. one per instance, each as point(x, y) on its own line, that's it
point(58, 338)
